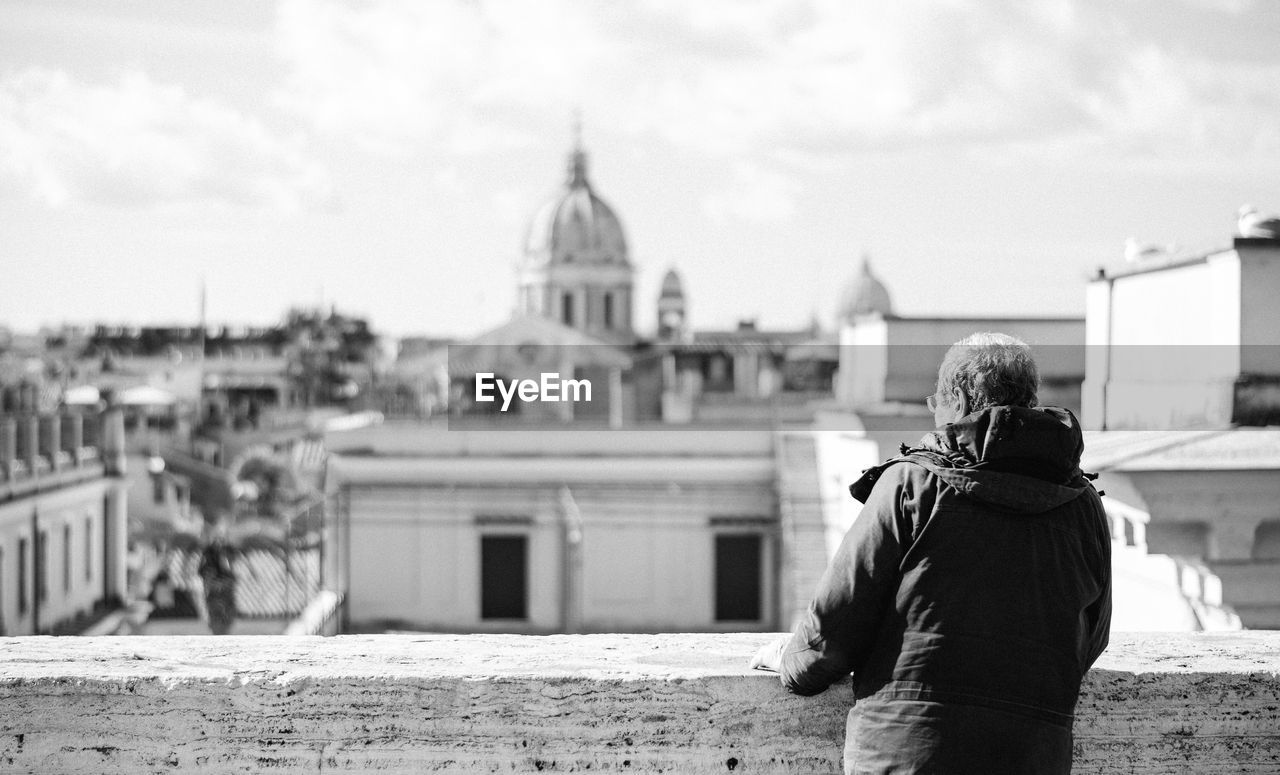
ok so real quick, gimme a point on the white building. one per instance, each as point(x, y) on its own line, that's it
point(551, 531)
point(588, 531)
point(1185, 354)
point(1186, 342)
point(62, 521)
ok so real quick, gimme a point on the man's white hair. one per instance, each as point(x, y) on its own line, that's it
point(989, 339)
point(991, 369)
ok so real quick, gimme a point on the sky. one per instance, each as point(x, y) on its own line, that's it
point(386, 157)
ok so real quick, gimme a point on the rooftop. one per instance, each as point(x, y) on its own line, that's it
point(1176, 260)
point(1166, 450)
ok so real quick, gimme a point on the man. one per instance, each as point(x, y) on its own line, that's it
point(973, 591)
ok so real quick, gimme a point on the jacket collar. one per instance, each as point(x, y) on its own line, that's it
point(1018, 458)
point(1042, 442)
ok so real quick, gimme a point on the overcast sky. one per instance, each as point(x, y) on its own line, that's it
point(386, 156)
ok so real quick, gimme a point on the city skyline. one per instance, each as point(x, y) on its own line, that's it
point(387, 157)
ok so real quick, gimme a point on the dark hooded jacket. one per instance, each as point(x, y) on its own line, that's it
point(969, 598)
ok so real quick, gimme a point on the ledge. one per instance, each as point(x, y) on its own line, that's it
point(1206, 703)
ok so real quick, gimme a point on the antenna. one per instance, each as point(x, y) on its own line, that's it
point(200, 372)
point(576, 127)
point(204, 297)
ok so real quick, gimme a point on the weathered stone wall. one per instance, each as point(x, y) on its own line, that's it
point(505, 703)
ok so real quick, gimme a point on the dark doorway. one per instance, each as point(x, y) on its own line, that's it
point(737, 578)
point(503, 577)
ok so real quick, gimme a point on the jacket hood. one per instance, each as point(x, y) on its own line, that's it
point(1015, 458)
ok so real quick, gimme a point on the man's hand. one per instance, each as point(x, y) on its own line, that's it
point(769, 657)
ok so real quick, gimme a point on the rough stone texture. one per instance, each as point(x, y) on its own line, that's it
point(1182, 703)
point(505, 703)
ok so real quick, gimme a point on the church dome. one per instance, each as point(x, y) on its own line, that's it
point(864, 294)
point(576, 225)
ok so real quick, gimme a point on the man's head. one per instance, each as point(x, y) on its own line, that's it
point(982, 370)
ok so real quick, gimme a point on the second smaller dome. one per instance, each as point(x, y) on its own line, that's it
point(864, 294)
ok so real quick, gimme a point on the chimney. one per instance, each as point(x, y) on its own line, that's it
point(113, 456)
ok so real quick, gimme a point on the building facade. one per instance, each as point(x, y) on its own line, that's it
point(548, 531)
point(1183, 362)
point(63, 521)
point(1188, 342)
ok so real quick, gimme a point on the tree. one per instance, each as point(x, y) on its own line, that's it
point(324, 351)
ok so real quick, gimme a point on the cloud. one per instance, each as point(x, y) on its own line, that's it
point(139, 143)
point(785, 84)
point(1178, 106)
point(724, 77)
point(460, 76)
point(511, 206)
point(755, 194)
point(963, 73)
point(1223, 6)
point(881, 76)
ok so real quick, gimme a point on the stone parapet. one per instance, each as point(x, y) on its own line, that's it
point(1207, 703)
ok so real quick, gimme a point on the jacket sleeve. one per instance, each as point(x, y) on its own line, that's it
point(841, 625)
point(1098, 615)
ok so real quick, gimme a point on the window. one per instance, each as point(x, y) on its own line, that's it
point(801, 376)
point(42, 566)
point(566, 309)
point(503, 577)
point(88, 548)
point(737, 572)
point(66, 558)
point(608, 310)
point(1266, 540)
point(22, 576)
point(717, 373)
point(107, 521)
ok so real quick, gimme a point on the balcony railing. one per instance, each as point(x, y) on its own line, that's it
point(40, 450)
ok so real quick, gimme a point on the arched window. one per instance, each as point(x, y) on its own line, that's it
point(1266, 540)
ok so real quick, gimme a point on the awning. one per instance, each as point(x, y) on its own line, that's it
point(81, 395)
point(146, 395)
